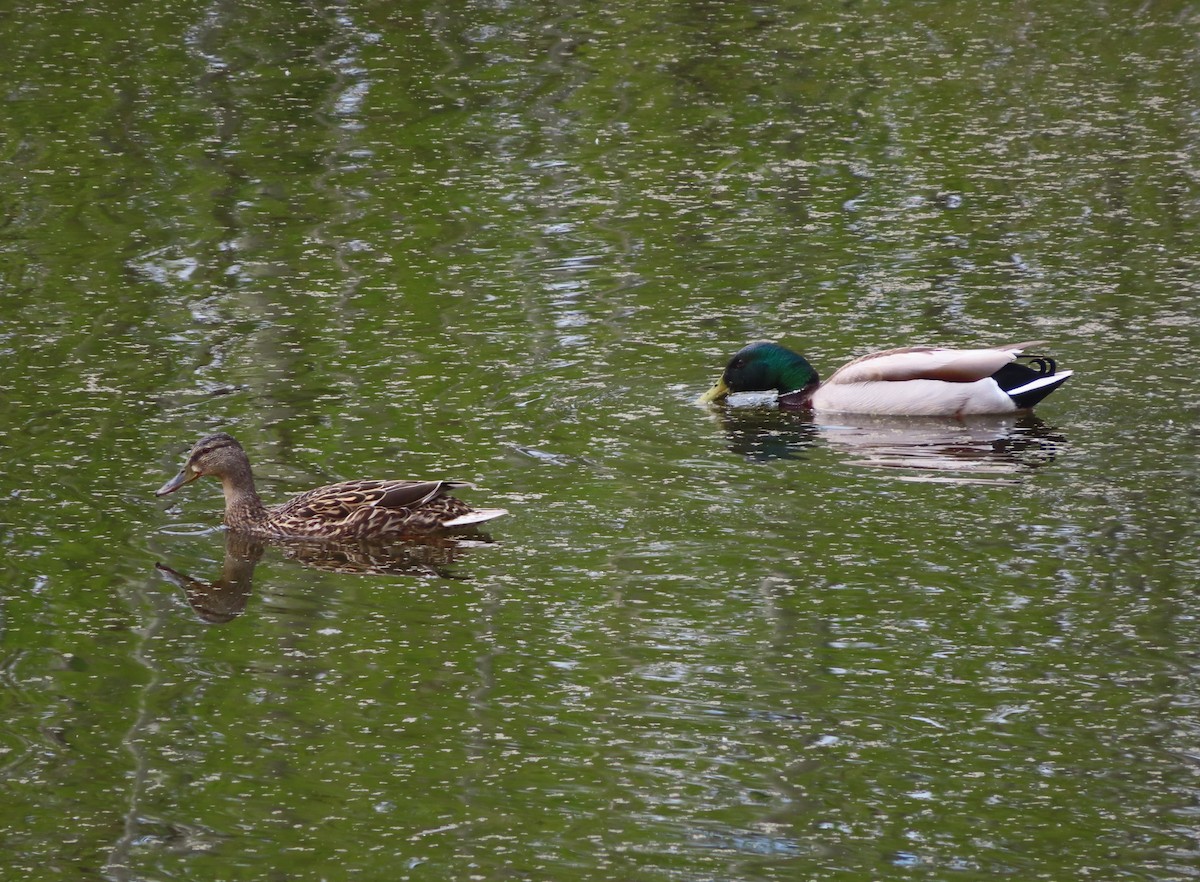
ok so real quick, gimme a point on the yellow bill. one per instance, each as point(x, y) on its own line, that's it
point(718, 392)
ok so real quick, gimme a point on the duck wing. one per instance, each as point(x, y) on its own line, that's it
point(928, 363)
point(337, 502)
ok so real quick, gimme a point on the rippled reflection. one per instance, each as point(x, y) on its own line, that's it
point(225, 598)
point(762, 434)
point(974, 448)
point(958, 450)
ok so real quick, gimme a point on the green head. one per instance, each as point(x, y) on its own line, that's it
point(762, 367)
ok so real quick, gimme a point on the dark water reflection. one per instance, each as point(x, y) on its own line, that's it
point(223, 599)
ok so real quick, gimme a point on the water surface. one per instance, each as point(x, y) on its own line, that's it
point(510, 244)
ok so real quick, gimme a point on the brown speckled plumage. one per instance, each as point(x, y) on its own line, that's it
point(363, 510)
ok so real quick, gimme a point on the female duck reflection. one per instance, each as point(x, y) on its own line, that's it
point(225, 598)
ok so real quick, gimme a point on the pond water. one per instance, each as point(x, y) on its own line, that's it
point(510, 243)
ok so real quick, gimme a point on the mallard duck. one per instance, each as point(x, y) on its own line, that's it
point(365, 510)
point(913, 381)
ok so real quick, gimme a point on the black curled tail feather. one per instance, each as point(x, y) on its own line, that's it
point(1042, 365)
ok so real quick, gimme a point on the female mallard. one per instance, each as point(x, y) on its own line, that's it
point(914, 381)
point(370, 510)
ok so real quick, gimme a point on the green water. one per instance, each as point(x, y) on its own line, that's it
point(510, 244)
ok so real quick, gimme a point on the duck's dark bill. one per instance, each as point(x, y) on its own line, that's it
point(175, 483)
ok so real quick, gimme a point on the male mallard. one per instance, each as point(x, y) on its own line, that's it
point(914, 381)
point(370, 510)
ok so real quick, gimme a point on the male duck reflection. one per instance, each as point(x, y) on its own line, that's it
point(365, 510)
point(914, 381)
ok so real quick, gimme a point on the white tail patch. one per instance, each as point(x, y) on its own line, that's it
point(475, 517)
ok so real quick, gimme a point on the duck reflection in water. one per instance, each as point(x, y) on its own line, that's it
point(763, 434)
point(991, 446)
point(225, 598)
